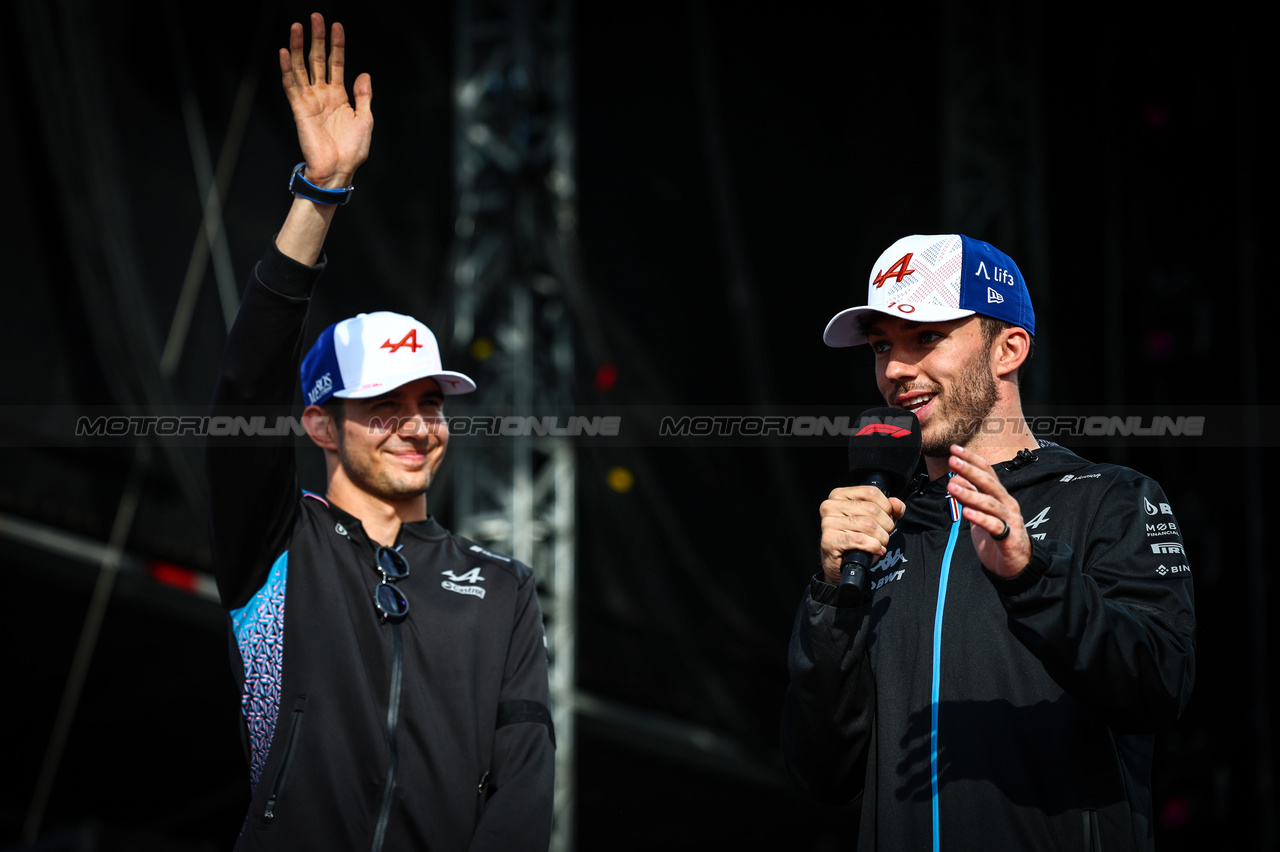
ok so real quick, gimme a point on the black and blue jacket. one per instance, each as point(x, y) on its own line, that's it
point(428, 734)
point(973, 712)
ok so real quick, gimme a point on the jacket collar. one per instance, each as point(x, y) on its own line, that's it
point(427, 529)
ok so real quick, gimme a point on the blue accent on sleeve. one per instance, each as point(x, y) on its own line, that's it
point(937, 672)
point(259, 631)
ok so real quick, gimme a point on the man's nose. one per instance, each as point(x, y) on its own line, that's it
point(898, 369)
point(421, 423)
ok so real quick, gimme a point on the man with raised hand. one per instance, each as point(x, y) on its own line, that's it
point(1027, 625)
point(393, 675)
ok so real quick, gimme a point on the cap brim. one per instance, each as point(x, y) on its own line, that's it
point(450, 382)
point(843, 328)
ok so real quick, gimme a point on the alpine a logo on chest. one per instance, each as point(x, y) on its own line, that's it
point(1039, 519)
point(454, 583)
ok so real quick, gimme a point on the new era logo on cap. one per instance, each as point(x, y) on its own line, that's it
point(371, 354)
point(934, 278)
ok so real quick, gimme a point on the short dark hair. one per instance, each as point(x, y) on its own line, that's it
point(991, 328)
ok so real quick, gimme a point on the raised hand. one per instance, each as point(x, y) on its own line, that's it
point(334, 136)
point(995, 519)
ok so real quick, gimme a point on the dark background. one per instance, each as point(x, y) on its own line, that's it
point(827, 125)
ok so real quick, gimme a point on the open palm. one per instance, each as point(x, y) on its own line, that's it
point(334, 136)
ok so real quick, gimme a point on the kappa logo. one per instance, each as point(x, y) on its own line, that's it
point(1167, 547)
point(1152, 510)
point(897, 271)
point(472, 577)
point(410, 340)
point(993, 297)
point(889, 560)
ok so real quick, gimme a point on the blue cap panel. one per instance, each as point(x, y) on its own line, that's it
point(321, 375)
point(991, 284)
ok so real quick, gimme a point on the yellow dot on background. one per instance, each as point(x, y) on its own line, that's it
point(481, 348)
point(621, 480)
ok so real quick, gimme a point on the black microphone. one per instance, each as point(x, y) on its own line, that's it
point(883, 452)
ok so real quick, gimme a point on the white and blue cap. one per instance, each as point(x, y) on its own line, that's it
point(934, 278)
point(371, 354)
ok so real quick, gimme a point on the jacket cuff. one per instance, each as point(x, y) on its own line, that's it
point(821, 591)
point(287, 276)
point(1036, 568)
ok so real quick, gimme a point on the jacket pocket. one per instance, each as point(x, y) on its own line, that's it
point(286, 761)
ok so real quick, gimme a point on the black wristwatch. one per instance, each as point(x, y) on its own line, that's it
point(299, 185)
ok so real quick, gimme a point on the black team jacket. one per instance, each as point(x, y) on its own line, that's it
point(973, 712)
point(430, 734)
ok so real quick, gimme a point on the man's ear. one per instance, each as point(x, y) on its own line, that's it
point(321, 428)
point(1011, 348)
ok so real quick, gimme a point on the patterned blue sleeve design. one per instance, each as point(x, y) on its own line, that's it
point(259, 629)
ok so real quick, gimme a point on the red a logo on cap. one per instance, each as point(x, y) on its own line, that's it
point(410, 340)
point(900, 266)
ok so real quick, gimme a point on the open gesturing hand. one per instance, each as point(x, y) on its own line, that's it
point(334, 136)
point(995, 519)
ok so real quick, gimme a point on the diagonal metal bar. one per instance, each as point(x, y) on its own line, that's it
point(212, 187)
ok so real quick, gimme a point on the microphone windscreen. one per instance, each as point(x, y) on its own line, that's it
point(887, 441)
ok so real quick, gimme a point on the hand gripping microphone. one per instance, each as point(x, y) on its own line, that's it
point(884, 452)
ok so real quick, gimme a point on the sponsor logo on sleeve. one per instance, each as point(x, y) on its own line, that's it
point(1167, 547)
point(1152, 510)
point(1166, 570)
point(475, 548)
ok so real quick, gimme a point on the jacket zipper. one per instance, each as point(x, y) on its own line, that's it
point(393, 756)
point(1092, 837)
point(277, 784)
point(943, 576)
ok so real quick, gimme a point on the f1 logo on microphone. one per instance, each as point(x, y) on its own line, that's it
point(883, 429)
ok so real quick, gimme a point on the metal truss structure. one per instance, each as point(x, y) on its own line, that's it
point(512, 262)
point(992, 146)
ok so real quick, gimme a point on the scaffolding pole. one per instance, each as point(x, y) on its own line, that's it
point(514, 148)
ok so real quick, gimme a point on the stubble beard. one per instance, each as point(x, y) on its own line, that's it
point(381, 482)
point(965, 405)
